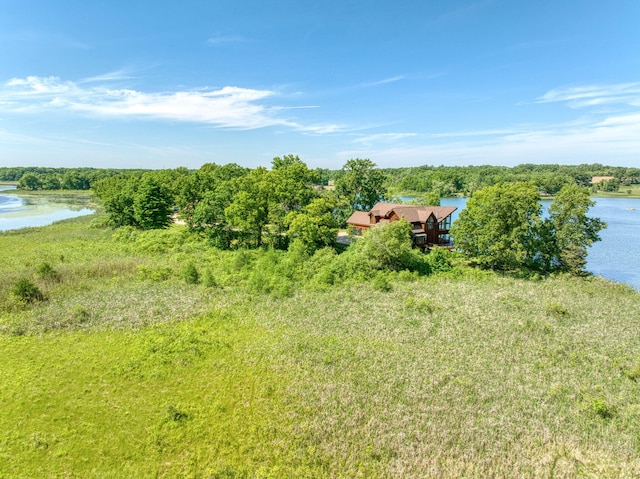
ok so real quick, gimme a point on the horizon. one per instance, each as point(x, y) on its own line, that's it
point(463, 83)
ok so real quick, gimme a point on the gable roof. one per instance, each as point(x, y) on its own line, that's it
point(412, 213)
point(359, 218)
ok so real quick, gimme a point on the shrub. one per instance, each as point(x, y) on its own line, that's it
point(556, 309)
point(209, 279)
point(601, 409)
point(381, 282)
point(190, 273)
point(79, 314)
point(159, 273)
point(439, 260)
point(46, 272)
point(27, 292)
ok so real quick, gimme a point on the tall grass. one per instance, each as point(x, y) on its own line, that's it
point(130, 370)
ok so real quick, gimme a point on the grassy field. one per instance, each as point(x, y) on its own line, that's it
point(127, 369)
point(632, 191)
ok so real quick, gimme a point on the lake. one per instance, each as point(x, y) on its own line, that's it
point(37, 210)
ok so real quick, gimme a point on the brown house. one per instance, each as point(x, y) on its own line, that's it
point(430, 223)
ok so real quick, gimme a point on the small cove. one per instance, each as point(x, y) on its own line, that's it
point(25, 211)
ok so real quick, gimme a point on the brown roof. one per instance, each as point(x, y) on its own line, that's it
point(600, 179)
point(413, 213)
point(359, 218)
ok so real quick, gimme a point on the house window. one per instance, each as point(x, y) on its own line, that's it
point(431, 223)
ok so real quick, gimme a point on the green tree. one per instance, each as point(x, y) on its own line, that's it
point(569, 231)
point(388, 246)
point(432, 198)
point(208, 217)
point(152, 204)
point(361, 183)
point(317, 225)
point(290, 191)
point(117, 194)
point(500, 226)
point(249, 210)
point(30, 181)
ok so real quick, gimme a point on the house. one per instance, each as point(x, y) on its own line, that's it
point(430, 223)
point(599, 179)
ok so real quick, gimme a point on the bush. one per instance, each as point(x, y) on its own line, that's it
point(190, 273)
point(209, 279)
point(439, 260)
point(46, 272)
point(381, 282)
point(556, 310)
point(601, 409)
point(27, 292)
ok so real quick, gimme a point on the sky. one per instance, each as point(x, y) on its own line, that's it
point(163, 84)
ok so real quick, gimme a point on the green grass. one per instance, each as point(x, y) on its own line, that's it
point(631, 191)
point(127, 370)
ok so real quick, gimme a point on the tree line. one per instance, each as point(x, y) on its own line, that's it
point(465, 180)
point(287, 205)
point(440, 181)
point(235, 206)
point(43, 178)
point(502, 226)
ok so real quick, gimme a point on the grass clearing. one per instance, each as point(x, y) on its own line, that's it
point(127, 370)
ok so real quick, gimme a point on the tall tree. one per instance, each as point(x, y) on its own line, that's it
point(291, 190)
point(316, 226)
point(361, 183)
point(570, 231)
point(249, 210)
point(152, 204)
point(500, 226)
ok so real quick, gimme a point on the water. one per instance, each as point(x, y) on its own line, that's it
point(23, 212)
point(617, 256)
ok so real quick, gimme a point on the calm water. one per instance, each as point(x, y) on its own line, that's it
point(22, 212)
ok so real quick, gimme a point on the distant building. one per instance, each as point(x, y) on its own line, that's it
point(599, 179)
point(430, 223)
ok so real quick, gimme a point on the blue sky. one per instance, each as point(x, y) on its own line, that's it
point(162, 84)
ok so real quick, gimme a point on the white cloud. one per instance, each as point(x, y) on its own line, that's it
point(227, 107)
point(115, 75)
point(594, 95)
point(609, 136)
point(383, 137)
point(33, 85)
point(385, 81)
point(611, 140)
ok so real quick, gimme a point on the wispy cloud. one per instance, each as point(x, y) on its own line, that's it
point(602, 136)
point(385, 81)
point(116, 75)
point(228, 107)
point(383, 138)
point(594, 95)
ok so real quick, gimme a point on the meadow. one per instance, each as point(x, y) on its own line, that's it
point(150, 354)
